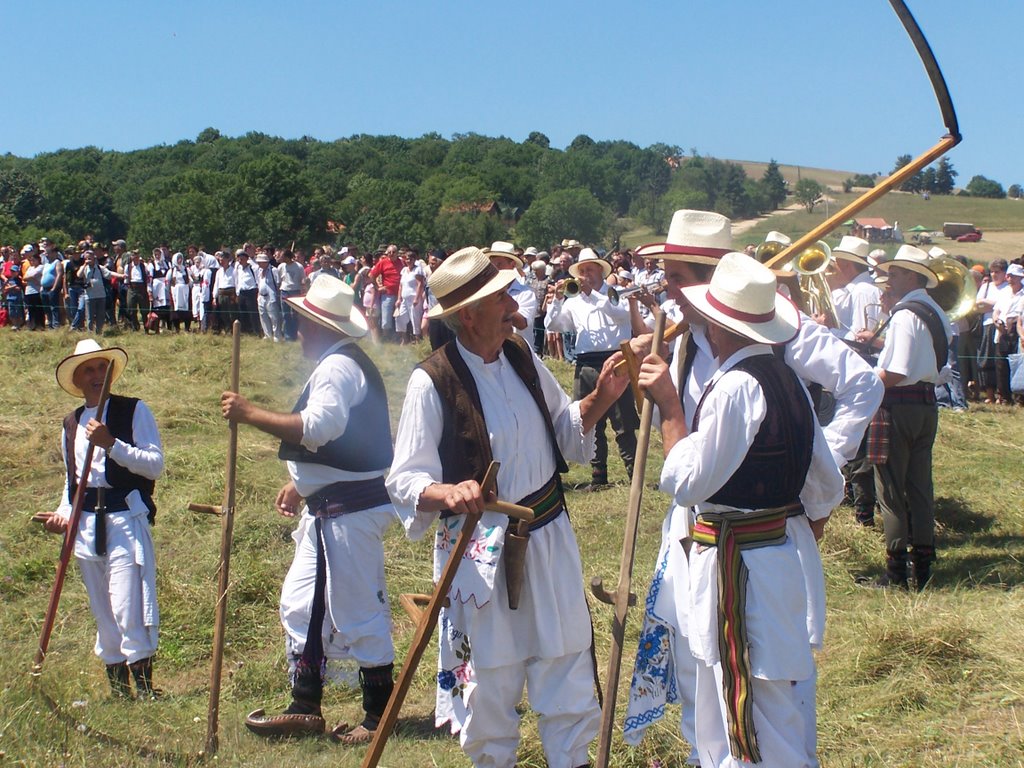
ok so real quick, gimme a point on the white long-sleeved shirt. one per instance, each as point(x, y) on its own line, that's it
point(858, 306)
point(600, 326)
point(527, 301)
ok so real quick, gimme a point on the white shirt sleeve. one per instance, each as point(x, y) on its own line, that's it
point(335, 387)
point(818, 357)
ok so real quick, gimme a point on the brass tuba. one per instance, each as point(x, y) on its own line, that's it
point(956, 292)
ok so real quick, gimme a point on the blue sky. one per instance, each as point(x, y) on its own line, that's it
point(821, 84)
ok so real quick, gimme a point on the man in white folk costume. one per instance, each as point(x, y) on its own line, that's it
point(486, 396)
point(113, 544)
point(755, 468)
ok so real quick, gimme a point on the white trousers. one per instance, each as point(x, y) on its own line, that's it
point(561, 691)
point(779, 722)
point(357, 622)
point(114, 585)
point(270, 317)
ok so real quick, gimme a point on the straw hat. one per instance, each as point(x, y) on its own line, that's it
point(588, 255)
point(501, 248)
point(86, 350)
point(913, 259)
point(464, 277)
point(699, 237)
point(853, 249)
point(329, 303)
point(742, 297)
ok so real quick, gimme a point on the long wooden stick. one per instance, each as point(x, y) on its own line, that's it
point(70, 534)
point(670, 333)
point(227, 525)
point(425, 629)
point(622, 598)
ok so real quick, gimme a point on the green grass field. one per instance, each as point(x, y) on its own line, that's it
point(905, 680)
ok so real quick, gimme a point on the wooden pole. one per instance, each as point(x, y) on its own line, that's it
point(622, 598)
point(227, 524)
point(425, 629)
point(70, 534)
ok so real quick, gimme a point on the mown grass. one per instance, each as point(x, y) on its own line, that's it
point(905, 680)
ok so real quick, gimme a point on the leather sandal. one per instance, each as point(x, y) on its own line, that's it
point(351, 737)
point(277, 726)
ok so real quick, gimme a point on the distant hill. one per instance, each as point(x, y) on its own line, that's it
point(793, 173)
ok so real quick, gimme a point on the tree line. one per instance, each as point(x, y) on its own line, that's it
point(366, 190)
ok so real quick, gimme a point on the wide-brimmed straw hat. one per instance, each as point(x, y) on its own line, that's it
point(464, 277)
point(853, 249)
point(86, 350)
point(589, 256)
point(501, 248)
point(329, 303)
point(699, 237)
point(913, 259)
point(742, 297)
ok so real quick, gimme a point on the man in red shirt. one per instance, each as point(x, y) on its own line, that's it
point(386, 272)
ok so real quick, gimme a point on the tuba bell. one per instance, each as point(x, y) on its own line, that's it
point(810, 265)
point(956, 292)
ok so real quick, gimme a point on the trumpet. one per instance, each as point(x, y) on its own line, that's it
point(615, 297)
point(570, 287)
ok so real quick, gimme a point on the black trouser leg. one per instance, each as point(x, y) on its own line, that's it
point(308, 685)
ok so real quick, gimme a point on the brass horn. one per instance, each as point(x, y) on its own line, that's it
point(616, 296)
point(571, 287)
point(811, 264)
point(956, 292)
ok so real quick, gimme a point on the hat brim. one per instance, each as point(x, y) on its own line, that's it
point(672, 252)
point(847, 256)
point(66, 368)
point(606, 268)
point(912, 266)
point(355, 326)
point(499, 282)
point(783, 327)
point(519, 262)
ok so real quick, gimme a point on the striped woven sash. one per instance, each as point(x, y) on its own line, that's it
point(733, 532)
point(547, 503)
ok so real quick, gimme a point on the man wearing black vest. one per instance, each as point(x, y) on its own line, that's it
point(336, 443)
point(910, 364)
point(486, 396)
point(113, 544)
point(759, 474)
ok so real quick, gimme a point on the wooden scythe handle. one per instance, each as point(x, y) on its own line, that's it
point(622, 593)
point(227, 517)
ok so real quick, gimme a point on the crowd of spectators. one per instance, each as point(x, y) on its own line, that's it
point(88, 286)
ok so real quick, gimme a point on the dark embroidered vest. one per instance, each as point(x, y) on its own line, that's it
point(365, 445)
point(120, 413)
point(465, 447)
point(775, 467)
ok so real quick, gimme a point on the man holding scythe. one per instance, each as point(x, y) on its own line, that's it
point(485, 396)
point(337, 444)
point(113, 543)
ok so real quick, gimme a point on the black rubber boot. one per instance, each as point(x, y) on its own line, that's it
point(117, 674)
point(142, 671)
point(377, 684)
point(895, 573)
point(922, 557)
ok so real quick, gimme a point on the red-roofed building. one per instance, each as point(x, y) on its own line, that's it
point(871, 229)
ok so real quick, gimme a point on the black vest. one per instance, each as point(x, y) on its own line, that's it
point(775, 467)
point(465, 447)
point(371, 450)
point(120, 413)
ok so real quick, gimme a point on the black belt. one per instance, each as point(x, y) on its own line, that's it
point(344, 498)
point(137, 285)
point(114, 500)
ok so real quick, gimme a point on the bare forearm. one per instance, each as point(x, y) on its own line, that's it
point(287, 426)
